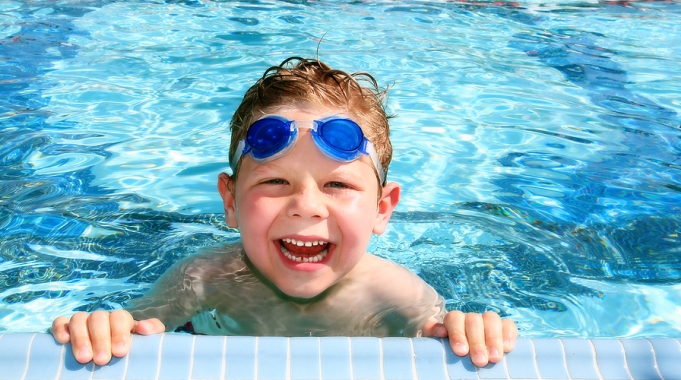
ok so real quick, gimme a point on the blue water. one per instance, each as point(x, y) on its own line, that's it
point(539, 148)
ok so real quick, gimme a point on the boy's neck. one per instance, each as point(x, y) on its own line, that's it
point(278, 292)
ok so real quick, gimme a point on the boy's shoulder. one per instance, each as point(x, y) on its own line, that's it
point(218, 253)
point(389, 280)
point(393, 291)
point(213, 261)
point(372, 265)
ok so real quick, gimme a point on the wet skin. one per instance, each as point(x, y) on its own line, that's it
point(331, 209)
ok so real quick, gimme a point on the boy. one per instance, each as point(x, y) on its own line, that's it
point(309, 156)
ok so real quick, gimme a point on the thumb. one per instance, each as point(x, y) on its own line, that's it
point(149, 327)
point(434, 328)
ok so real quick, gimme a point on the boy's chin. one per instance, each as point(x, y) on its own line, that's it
point(304, 294)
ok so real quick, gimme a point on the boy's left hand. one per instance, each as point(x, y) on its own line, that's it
point(486, 337)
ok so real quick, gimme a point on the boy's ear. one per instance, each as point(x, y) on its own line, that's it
point(390, 197)
point(226, 189)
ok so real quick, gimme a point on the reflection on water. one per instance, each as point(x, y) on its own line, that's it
point(539, 149)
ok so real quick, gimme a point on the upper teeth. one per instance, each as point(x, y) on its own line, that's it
point(303, 243)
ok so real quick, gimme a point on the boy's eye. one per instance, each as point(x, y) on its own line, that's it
point(339, 185)
point(275, 181)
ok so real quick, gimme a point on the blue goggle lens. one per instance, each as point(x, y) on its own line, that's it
point(341, 134)
point(267, 137)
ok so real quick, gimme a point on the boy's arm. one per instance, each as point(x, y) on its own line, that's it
point(486, 337)
point(176, 296)
point(172, 300)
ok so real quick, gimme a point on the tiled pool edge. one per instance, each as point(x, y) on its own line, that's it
point(180, 356)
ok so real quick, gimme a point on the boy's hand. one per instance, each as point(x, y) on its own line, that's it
point(485, 336)
point(98, 335)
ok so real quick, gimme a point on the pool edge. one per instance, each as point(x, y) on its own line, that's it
point(181, 356)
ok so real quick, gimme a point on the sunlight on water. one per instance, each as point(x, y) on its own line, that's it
point(538, 146)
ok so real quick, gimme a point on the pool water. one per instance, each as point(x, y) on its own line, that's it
point(539, 148)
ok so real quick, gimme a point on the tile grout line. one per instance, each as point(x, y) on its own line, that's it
point(126, 358)
point(657, 367)
point(678, 342)
point(191, 358)
point(626, 361)
point(94, 366)
point(223, 367)
point(352, 366)
point(414, 375)
point(28, 357)
point(255, 362)
point(380, 357)
point(127, 361)
point(288, 358)
point(503, 360)
point(62, 354)
point(598, 367)
point(534, 359)
point(565, 363)
point(160, 357)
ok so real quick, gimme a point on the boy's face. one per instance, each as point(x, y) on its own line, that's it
point(304, 198)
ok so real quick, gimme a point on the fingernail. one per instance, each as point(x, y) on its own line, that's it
point(480, 358)
point(119, 348)
point(494, 352)
point(101, 356)
point(84, 352)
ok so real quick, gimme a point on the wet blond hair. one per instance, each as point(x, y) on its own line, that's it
point(299, 81)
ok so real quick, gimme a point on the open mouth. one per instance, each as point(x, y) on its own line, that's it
point(304, 251)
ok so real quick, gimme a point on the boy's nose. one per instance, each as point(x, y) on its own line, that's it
point(308, 202)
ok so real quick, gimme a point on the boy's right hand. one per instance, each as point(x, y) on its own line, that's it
point(101, 334)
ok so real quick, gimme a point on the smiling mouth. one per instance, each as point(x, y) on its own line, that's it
point(304, 251)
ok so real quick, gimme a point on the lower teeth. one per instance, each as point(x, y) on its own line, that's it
point(312, 259)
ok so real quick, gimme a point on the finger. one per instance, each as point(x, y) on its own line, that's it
point(434, 328)
point(122, 324)
point(510, 334)
point(475, 333)
point(455, 322)
point(149, 327)
point(100, 336)
point(60, 330)
point(80, 338)
point(493, 336)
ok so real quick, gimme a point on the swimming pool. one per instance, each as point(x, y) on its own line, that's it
point(539, 148)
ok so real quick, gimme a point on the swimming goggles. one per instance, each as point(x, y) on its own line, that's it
point(337, 137)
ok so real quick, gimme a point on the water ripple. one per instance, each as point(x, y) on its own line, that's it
point(531, 136)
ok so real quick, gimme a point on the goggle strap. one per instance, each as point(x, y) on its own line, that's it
point(237, 155)
point(371, 151)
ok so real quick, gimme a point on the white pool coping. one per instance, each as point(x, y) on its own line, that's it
point(182, 356)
